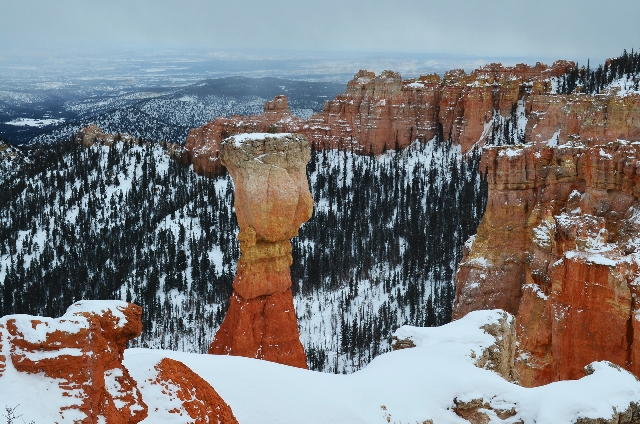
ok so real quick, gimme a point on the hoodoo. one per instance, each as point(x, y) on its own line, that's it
point(272, 201)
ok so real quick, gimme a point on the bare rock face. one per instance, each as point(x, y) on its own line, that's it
point(83, 351)
point(500, 356)
point(557, 248)
point(272, 200)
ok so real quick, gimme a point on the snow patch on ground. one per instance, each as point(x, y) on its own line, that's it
point(30, 122)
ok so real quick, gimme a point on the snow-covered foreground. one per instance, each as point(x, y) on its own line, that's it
point(405, 386)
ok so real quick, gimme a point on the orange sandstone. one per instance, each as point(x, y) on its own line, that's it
point(557, 248)
point(272, 201)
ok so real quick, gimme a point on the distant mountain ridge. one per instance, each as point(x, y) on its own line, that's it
point(152, 113)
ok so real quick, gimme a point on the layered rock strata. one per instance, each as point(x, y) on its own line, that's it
point(272, 200)
point(382, 112)
point(558, 247)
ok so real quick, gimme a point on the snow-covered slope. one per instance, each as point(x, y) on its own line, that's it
point(405, 386)
point(45, 114)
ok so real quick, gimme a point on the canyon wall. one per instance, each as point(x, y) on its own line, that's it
point(558, 248)
point(272, 200)
point(378, 113)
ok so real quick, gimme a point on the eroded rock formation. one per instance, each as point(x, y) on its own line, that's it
point(196, 397)
point(91, 134)
point(83, 352)
point(382, 112)
point(202, 148)
point(558, 248)
point(272, 200)
point(76, 363)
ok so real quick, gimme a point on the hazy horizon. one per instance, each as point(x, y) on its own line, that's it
point(290, 38)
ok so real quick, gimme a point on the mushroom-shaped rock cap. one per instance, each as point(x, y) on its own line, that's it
point(272, 197)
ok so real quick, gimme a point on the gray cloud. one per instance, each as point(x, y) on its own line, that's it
point(568, 29)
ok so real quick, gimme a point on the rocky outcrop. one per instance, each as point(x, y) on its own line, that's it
point(91, 134)
point(476, 411)
point(272, 200)
point(202, 148)
point(500, 356)
point(76, 363)
point(83, 352)
point(197, 398)
point(558, 248)
point(381, 112)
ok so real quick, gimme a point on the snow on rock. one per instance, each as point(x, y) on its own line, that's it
point(436, 380)
point(72, 365)
point(175, 394)
point(240, 139)
point(114, 308)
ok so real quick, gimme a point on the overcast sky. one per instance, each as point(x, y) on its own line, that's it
point(569, 29)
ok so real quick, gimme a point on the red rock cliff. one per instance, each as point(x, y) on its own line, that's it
point(382, 112)
point(558, 248)
point(272, 200)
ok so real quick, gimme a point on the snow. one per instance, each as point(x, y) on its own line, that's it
point(511, 152)
point(478, 261)
point(38, 333)
point(469, 243)
point(111, 383)
point(591, 257)
point(416, 85)
point(623, 87)
point(544, 233)
point(554, 140)
point(30, 122)
point(67, 351)
point(409, 385)
point(536, 289)
point(99, 307)
point(239, 139)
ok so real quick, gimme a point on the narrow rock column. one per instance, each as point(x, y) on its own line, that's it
point(272, 201)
